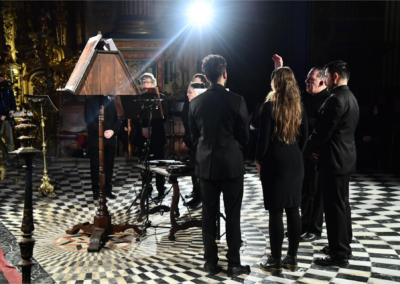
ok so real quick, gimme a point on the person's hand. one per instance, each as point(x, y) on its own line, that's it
point(367, 138)
point(278, 61)
point(3, 117)
point(126, 129)
point(259, 170)
point(11, 113)
point(184, 146)
point(108, 134)
point(145, 133)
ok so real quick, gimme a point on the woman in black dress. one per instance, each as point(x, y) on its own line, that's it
point(279, 160)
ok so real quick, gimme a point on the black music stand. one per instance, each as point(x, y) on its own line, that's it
point(144, 106)
point(172, 113)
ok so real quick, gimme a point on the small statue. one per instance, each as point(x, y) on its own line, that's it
point(8, 59)
point(49, 54)
point(61, 28)
point(43, 19)
point(38, 58)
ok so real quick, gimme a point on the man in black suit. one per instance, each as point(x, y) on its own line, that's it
point(158, 137)
point(111, 127)
point(219, 125)
point(332, 142)
point(187, 143)
point(311, 204)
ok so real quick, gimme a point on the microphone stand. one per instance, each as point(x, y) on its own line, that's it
point(172, 153)
point(147, 223)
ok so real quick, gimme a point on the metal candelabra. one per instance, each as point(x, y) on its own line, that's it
point(27, 152)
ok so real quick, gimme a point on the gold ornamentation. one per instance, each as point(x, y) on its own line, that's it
point(61, 27)
point(10, 28)
point(45, 188)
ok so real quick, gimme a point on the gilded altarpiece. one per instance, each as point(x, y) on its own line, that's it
point(39, 54)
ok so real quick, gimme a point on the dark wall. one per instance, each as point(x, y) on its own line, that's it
point(253, 31)
point(352, 32)
point(307, 34)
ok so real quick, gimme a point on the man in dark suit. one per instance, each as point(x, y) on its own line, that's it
point(111, 128)
point(332, 142)
point(187, 143)
point(219, 125)
point(158, 137)
point(311, 204)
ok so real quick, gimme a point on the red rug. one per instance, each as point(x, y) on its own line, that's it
point(9, 271)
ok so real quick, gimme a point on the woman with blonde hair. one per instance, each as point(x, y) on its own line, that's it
point(279, 160)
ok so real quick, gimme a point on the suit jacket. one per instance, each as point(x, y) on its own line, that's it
point(111, 121)
point(219, 126)
point(312, 104)
point(333, 133)
point(7, 102)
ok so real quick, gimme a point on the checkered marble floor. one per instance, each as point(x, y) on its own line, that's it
point(375, 203)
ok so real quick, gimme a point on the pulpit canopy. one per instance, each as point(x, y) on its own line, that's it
point(101, 70)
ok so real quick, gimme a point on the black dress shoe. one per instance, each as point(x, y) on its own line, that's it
point(290, 262)
point(326, 251)
point(190, 195)
point(158, 198)
point(193, 203)
point(111, 195)
point(212, 269)
point(273, 265)
point(328, 261)
point(309, 237)
point(234, 271)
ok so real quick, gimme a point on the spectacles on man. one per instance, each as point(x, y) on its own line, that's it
point(146, 82)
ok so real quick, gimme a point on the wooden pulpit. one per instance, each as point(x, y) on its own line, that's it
point(101, 71)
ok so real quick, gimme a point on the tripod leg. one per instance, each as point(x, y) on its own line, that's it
point(134, 201)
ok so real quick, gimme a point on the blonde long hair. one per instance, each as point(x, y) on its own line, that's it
point(286, 106)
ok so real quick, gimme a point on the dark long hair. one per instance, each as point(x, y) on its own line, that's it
point(286, 107)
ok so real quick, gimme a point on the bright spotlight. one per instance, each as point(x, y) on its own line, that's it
point(200, 13)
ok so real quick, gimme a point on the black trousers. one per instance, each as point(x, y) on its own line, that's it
point(276, 234)
point(109, 154)
point(157, 150)
point(312, 209)
point(232, 190)
point(335, 194)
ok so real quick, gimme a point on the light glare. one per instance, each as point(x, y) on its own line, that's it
point(200, 13)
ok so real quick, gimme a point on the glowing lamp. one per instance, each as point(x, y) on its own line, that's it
point(200, 13)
